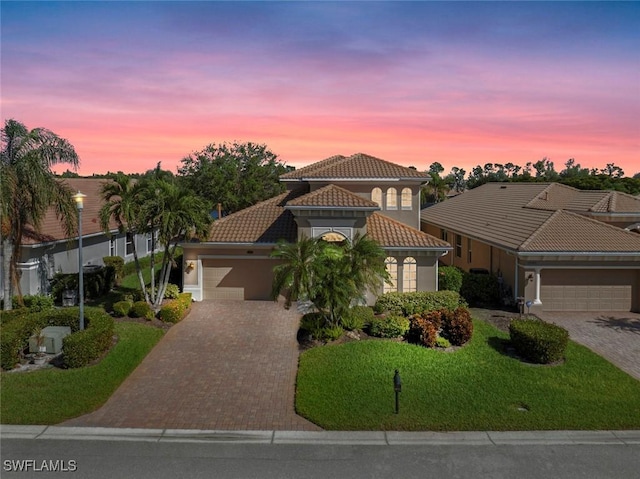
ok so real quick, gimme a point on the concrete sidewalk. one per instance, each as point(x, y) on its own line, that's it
point(374, 438)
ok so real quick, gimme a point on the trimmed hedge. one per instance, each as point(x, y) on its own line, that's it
point(406, 304)
point(175, 310)
point(480, 289)
point(122, 308)
point(392, 326)
point(79, 348)
point(537, 341)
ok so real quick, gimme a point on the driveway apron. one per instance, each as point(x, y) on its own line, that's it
point(615, 336)
point(230, 365)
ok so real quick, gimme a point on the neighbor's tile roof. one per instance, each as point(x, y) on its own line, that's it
point(519, 216)
point(394, 234)
point(358, 166)
point(566, 231)
point(52, 229)
point(558, 196)
point(264, 222)
point(332, 196)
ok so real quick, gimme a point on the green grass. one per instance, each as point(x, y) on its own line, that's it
point(478, 387)
point(51, 396)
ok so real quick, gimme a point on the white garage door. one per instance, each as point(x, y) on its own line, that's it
point(586, 297)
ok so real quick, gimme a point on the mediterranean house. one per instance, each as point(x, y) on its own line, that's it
point(50, 250)
point(561, 248)
point(333, 199)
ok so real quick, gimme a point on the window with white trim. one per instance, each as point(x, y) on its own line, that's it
point(409, 275)
point(391, 264)
point(376, 196)
point(113, 250)
point(392, 199)
point(129, 244)
point(406, 199)
point(149, 242)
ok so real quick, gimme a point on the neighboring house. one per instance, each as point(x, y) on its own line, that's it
point(333, 199)
point(50, 251)
point(561, 248)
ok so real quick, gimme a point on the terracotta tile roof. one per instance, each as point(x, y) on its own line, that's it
point(358, 166)
point(394, 234)
point(518, 216)
point(264, 222)
point(570, 232)
point(51, 228)
point(332, 196)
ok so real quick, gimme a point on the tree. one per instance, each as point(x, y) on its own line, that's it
point(612, 170)
point(235, 175)
point(28, 188)
point(455, 180)
point(329, 275)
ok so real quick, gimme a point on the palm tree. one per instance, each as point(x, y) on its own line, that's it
point(121, 204)
point(28, 188)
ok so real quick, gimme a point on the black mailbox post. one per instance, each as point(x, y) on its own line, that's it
point(397, 386)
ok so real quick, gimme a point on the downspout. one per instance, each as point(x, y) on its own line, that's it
point(516, 282)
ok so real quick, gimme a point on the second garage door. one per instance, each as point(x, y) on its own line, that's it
point(587, 290)
point(237, 279)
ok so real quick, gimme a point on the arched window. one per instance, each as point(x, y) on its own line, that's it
point(392, 199)
point(376, 195)
point(391, 264)
point(409, 275)
point(406, 200)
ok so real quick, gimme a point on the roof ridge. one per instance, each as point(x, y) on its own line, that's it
point(259, 204)
point(316, 166)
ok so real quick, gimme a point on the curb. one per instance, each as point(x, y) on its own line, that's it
point(372, 438)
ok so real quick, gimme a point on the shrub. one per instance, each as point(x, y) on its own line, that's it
point(174, 311)
point(17, 326)
point(424, 327)
point(117, 263)
point(406, 304)
point(331, 333)
point(36, 303)
point(449, 278)
point(96, 283)
point(357, 317)
point(391, 326)
point(122, 308)
point(82, 347)
point(480, 289)
point(537, 341)
point(442, 342)
point(312, 323)
point(171, 292)
point(141, 309)
point(457, 326)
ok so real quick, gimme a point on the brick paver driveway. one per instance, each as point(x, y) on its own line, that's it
point(229, 365)
point(614, 336)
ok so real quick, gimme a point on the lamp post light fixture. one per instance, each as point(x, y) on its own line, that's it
point(79, 197)
point(397, 386)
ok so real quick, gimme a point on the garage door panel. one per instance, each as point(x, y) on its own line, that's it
point(586, 298)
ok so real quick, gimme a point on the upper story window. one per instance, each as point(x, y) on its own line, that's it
point(406, 199)
point(376, 196)
point(392, 199)
point(459, 246)
point(444, 235)
point(409, 275)
point(391, 264)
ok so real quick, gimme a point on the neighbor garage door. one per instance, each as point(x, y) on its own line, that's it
point(587, 290)
point(237, 279)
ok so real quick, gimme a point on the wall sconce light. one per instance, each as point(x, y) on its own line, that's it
point(530, 277)
point(190, 266)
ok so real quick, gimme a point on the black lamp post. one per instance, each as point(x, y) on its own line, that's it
point(79, 197)
point(397, 386)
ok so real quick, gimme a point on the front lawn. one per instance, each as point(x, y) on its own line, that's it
point(51, 396)
point(478, 387)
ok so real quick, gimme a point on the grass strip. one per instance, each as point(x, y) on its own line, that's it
point(50, 396)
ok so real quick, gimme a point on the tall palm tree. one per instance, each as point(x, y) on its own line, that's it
point(121, 204)
point(28, 188)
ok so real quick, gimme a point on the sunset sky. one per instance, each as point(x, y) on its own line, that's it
point(133, 83)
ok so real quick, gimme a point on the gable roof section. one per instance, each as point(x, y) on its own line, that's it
point(617, 202)
point(390, 233)
point(332, 196)
point(557, 196)
point(355, 167)
point(564, 231)
point(52, 228)
point(265, 222)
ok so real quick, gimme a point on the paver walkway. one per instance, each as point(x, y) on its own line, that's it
point(615, 336)
point(230, 365)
